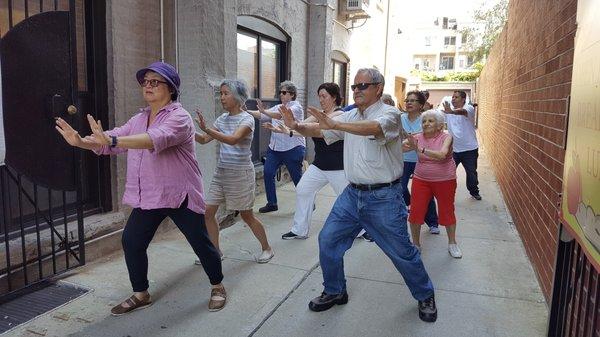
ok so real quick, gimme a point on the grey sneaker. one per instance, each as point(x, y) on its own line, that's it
point(434, 230)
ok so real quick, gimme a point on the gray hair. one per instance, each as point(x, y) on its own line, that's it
point(388, 99)
point(238, 89)
point(436, 114)
point(291, 87)
point(374, 74)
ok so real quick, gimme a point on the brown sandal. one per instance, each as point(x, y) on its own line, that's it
point(134, 304)
point(218, 297)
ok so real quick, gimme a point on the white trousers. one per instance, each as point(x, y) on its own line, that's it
point(312, 181)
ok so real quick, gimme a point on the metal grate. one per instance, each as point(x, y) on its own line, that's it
point(46, 296)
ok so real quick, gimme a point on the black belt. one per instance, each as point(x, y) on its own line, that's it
point(374, 186)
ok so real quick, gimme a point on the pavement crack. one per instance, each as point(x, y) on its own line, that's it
point(296, 286)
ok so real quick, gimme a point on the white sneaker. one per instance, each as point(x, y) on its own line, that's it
point(454, 251)
point(434, 230)
point(266, 256)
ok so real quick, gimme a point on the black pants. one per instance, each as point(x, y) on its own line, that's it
point(140, 229)
point(469, 161)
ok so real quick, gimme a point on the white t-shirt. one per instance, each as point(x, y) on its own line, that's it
point(462, 129)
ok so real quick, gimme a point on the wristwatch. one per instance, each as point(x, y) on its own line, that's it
point(113, 141)
point(291, 133)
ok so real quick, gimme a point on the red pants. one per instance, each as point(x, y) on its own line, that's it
point(421, 193)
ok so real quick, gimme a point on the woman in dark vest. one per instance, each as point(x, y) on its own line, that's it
point(327, 168)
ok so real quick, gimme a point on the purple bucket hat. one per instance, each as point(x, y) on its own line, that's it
point(163, 69)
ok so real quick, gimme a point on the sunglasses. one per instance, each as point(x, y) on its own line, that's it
point(411, 101)
point(362, 86)
point(153, 83)
point(283, 92)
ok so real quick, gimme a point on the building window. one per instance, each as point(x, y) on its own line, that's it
point(445, 23)
point(425, 64)
point(447, 63)
point(469, 61)
point(450, 41)
point(261, 63)
point(463, 38)
point(427, 41)
point(340, 69)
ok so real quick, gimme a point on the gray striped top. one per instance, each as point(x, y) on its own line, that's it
point(238, 156)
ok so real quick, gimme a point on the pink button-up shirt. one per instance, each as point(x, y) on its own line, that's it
point(162, 177)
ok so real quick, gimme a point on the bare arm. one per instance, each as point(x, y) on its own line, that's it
point(442, 153)
point(239, 134)
point(448, 109)
point(139, 141)
point(202, 138)
point(262, 111)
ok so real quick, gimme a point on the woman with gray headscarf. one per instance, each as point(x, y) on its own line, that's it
point(233, 181)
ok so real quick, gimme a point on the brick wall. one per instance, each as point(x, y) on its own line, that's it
point(523, 101)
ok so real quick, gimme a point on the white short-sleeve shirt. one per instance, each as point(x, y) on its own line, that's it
point(462, 129)
point(370, 160)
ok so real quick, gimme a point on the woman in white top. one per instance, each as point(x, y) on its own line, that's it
point(327, 168)
point(234, 181)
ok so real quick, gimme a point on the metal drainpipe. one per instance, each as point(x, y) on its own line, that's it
point(176, 30)
point(162, 32)
point(387, 29)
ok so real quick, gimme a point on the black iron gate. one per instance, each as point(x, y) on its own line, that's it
point(575, 305)
point(40, 183)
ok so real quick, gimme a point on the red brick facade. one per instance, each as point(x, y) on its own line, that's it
point(523, 106)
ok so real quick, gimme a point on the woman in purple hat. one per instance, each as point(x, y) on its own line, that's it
point(163, 180)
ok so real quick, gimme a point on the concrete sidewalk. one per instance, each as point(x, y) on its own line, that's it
point(491, 291)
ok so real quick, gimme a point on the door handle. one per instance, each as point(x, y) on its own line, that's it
point(71, 110)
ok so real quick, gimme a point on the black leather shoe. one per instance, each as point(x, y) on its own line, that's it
point(476, 196)
point(428, 310)
point(326, 301)
point(268, 208)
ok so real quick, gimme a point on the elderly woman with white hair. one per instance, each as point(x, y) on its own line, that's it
point(434, 176)
point(234, 180)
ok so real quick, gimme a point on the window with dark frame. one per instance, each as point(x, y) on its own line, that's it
point(450, 40)
point(261, 63)
point(340, 69)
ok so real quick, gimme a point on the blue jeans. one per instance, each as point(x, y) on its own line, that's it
point(382, 214)
point(469, 161)
point(431, 218)
point(292, 159)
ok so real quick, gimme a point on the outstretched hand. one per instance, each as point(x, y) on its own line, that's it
point(325, 122)
point(260, 105)
point(288, 117)
point(447, 107)
point(73, 138)
point(98, 133)
point(411, 143)
point(276, 127)
point(69, 134)
point(200, 120)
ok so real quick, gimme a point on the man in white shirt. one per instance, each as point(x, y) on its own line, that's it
point(372, 135)
point(460, 119)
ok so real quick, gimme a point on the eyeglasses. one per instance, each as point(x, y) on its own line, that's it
point(283, 92)
point(411, 101)
point(362, 86)
point(153, 83)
